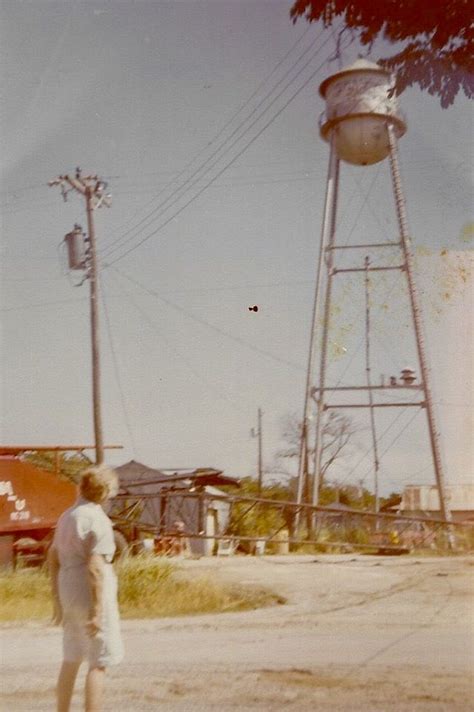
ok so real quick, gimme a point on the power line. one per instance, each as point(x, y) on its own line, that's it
point(220, 172)
point(145, 221)
point(44, 304)
point(243, 184)
point(354, 468)
point(117, 371)
point(364, 202)
point(423, 164)
point(209, 384)
point(197, 290)
point(207, 324)
point(396, 438)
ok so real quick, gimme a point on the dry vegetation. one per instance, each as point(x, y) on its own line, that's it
point(148, 588)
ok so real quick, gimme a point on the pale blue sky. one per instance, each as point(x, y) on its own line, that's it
point(135, 92)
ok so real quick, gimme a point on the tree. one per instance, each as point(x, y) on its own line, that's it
point(437, 37)
point(70, 465)
point(337, 433)
point(258, 520)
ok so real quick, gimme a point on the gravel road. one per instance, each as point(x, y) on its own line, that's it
point(357, 633)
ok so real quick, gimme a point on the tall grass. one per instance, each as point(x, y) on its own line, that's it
point(149, 587)
point(25, 595)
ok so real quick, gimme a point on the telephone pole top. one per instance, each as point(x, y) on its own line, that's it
point(93, 189)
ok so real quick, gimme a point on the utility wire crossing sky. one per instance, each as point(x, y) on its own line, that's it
point(202, 118)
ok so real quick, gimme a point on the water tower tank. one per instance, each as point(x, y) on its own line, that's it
point(76, 248)
point(359, 103)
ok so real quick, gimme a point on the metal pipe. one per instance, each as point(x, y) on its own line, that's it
point(329, 210)
point(375, 405)
point(278, 503)
point(369, 385)
point(401, 387)
point(372, 269)
point(329, 231)
point(368, 245)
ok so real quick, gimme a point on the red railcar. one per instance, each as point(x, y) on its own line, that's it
point(31, 501)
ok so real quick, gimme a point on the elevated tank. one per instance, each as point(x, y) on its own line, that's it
point(359, 103)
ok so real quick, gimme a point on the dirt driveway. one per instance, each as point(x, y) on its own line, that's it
point(357, 633)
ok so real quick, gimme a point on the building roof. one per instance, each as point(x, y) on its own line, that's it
point(136, 477)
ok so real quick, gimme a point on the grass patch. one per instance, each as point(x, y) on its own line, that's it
point(152, 588)
point(148, 588)
point(25, 595)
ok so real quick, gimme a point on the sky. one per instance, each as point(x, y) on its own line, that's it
point(203, 119)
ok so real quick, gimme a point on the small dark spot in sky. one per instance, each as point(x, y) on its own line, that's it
point(254, 308)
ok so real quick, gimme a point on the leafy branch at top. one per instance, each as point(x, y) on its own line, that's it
point(437, 38)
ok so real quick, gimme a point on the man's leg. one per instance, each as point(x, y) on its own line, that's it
point(94, 689)
point(65, 686)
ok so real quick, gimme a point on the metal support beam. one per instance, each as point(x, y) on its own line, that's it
point(327, 228)
point(421, 404)
point(365, 246)
point(371, 269)
point(412, 387)
point(329, 232)
point(417, 320)
point(368, 370)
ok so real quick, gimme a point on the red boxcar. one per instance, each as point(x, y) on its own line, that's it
point(31, 501)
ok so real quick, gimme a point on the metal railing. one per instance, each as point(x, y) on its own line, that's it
point(331, 528)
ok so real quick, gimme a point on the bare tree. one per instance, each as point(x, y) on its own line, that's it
point(338, 431)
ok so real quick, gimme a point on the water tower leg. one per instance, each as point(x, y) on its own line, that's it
point(329, 209)
point(418, 324)
point(328, 240)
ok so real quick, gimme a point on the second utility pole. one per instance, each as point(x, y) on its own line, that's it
point(92, 188)
point(260, 465)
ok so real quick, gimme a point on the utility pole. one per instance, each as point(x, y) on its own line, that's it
point(258, 434)
point(92, 188)
point(260, 466)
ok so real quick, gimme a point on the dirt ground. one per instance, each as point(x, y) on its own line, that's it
point(357, 633)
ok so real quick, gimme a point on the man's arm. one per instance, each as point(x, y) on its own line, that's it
point(53, 565)
point(95, 572)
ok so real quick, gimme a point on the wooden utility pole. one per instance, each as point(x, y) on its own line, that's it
point(258, 434)
point(93, 190)
point(260, 466)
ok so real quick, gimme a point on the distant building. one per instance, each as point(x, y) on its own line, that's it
point(162, 498)
point(424, 500)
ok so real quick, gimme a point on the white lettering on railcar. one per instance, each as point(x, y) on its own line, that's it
point(20, 516)
point(6, 488)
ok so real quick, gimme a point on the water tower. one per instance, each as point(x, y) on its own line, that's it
point(362, 124)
